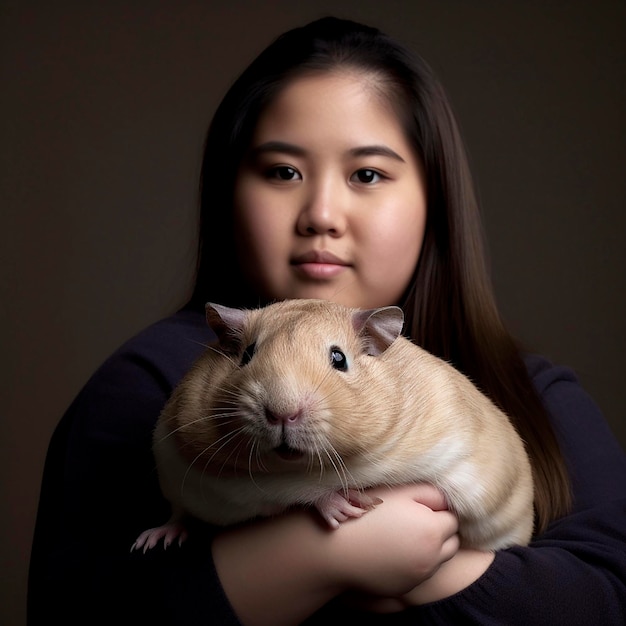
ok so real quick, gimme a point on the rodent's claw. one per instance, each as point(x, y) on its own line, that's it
point(168, 532)
point(336, 508)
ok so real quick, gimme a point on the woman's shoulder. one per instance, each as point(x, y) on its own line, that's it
point(166, 348)
point(180, 333)
point(128, 390)
point(562, 392)
point(544, 372)
point(595, 457)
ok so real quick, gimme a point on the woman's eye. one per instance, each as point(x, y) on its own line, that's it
point(283, 172)
point(366, 176)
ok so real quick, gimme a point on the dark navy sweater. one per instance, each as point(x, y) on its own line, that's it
point(100, 490)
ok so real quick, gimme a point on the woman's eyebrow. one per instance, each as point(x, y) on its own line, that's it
point(277, 146)
point(376, 150)
point(289, 148)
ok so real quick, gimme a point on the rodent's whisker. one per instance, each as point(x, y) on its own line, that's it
point(226, 439)
point(319, 461)
point(339, 466)
point(204, 418)
point(315, 454)
point(199, 343)
point(254, 451)
point(259, 459)
point(222, 353)
point(236, 449)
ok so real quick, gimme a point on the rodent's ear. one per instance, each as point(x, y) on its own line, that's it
point(379, 327)
point(227, 323)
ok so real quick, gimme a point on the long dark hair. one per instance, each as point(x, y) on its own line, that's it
point(449, 307)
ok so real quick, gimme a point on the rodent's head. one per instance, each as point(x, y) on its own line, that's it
point(309, 376)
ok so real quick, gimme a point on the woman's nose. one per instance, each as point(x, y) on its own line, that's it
point(323, 211)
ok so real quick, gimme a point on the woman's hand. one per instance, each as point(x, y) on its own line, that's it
point(421, 548)
point(279, 571)
point(398, 544)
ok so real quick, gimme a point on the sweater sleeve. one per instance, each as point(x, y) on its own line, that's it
point(100, 490)
point(575, 572)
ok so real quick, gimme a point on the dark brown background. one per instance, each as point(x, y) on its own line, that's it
point(103, 109)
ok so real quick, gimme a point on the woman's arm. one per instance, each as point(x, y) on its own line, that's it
point(575, 572)
point(280, 571)
point(100, 490)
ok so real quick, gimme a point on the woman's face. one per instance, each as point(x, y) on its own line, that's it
point(330, 201)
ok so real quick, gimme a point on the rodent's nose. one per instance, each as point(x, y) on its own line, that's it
point(282, 418)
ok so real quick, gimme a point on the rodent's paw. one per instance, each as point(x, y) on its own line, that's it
point(168, 532)
point(336, 507)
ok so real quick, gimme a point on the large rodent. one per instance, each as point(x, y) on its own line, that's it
point(307, 402)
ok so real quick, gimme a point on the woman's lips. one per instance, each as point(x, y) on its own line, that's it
point(319, 264)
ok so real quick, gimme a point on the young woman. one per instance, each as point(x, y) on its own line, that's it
point(333, 169)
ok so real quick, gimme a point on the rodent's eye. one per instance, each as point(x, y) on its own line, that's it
point(338, 359)
point(247, 354)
